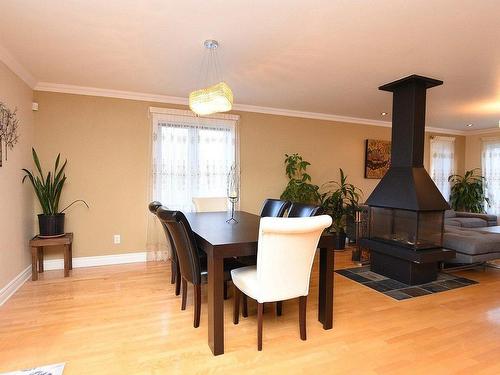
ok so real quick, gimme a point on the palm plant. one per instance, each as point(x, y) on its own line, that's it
point(48, 188)
point(468, 192)
point(340, 201)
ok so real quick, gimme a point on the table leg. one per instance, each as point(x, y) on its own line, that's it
point(66, 260)
point(34, 261)
point(215, 303)
point(40, 259)
point(71, 256)
point(325, 300)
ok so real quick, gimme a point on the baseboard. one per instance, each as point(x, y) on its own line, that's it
point(8, 290)
point(95, 261)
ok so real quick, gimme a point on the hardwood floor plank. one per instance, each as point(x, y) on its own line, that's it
point(127, 319)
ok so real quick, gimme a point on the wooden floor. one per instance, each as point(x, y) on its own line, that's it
point(125, 319)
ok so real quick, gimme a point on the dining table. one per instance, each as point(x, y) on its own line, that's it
point(220, 239)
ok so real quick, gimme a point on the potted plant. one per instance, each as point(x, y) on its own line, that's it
point(48, 191)
point(341, 202)
point(468, 192)
point(299, 188)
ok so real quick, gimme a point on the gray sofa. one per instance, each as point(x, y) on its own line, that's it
point(468, 219)
point(472, 245)
point(465, 233)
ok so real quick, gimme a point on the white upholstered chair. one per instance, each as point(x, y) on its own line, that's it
point(284, 261)
point(209, 204)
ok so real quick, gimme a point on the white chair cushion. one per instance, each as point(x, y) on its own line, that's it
point(245, 279)
point(284, 259)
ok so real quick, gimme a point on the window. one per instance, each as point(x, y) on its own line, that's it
point(491, 171)
point(442, 163)
point(192, 156)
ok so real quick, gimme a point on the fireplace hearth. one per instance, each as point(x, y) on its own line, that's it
point(406, 214)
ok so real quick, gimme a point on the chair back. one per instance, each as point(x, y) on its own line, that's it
point(209, 204)
point(285, 255)
point(274, 208)
point(303, 210)
point(153, 207)
point(185, 243)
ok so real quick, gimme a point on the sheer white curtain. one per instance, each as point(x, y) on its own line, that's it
point(491, 171)
point(191, 157)
point(442, 163)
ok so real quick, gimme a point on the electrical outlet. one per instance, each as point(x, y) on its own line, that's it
point(117, 239)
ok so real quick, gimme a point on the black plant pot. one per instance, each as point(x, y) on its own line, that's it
point(339, 242)
point(51, 225)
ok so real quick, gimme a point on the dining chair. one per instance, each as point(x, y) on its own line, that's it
point(303, 210)
point(285, 256)
point(210, 204)
point(274, 208)
point(192, 262)
point(175, 274)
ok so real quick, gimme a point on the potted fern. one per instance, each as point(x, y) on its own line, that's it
point(48, 191)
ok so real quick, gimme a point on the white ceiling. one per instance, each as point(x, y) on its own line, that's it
point(317, 56)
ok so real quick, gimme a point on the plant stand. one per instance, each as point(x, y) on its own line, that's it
point(37, 245)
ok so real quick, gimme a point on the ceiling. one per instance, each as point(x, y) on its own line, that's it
point(326, 57)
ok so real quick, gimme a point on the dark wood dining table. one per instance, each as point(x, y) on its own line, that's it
point(219, 240)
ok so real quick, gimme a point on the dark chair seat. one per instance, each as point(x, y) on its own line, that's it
point(303, 210)
point(192, 261)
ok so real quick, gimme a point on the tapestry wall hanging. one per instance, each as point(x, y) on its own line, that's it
point(377, 158)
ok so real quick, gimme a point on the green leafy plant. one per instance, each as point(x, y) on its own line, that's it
point(468, 192)
point(48, 188)
point(340, 201)
point(299, 188)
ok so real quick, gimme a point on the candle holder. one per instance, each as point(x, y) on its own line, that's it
point(233, 201)
point(233, 189)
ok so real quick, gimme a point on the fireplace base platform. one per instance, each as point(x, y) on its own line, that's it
point(405, 265)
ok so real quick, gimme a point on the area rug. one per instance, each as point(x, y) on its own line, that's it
point(56, 369)
point(399, 290)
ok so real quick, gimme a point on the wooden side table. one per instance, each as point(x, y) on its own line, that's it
point(37, 244)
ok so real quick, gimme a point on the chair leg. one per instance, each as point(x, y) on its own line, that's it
point(225, 290)
point(236, 305)
point(178, 283)
point(302, 317)
point(260, 316)
point(245, 305)
point(197, 305)
point(173, 270)
point(279, 308)
point(184, 294)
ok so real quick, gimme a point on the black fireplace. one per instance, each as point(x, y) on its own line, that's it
point(406, 218)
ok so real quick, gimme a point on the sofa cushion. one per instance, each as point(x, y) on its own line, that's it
point(470, 242)
point(449, 214)
point(453, 222)
point(472, 222)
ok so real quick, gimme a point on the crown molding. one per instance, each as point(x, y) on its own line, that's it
point(484, 131)
point(132, 95)
point(16, 67)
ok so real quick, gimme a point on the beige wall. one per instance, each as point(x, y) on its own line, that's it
point(474, 147)
point(106, 143)
point(16, 213)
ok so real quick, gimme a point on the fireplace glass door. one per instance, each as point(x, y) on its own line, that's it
point(417, 230)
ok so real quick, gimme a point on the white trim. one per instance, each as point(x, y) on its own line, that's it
point(17, 68)
point(93, 91)
point(484, 131)
point(8, 290)
point(95, 261)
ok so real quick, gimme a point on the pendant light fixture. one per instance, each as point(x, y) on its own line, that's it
point(217, 95)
